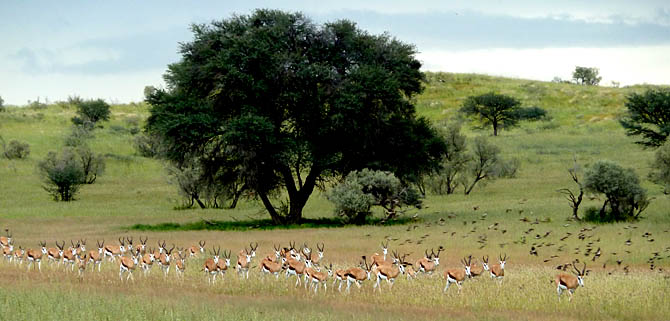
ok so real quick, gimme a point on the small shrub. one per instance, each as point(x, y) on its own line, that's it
point(660, 173)
point(15, 149)
point(91, 164)
point(625, 198)
point(134, 130)
point(79, 134)
point(118, 129)
point(37, 105)
point(508, 168)
point(147, 145)
point(92, 111)
point(62, 175)
point(532, 114)
point(2, 104)
point(595, 215)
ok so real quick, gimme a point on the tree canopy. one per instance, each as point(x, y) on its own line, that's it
point(648, 116)
point(586, 76)
point(283, 104)
point(498, 111)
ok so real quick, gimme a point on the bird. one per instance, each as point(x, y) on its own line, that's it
point(533, 251)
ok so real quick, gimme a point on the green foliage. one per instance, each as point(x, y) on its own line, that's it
point(648, 116)
point(79, 135)
point(62, 174)
point(498, 111)
point(91, 111)
point(660, 167)
point(586, 76)
point(2, 105)
point(593, 214)
point(282, 104)
point(15, 149)
point(626, 199)
point(360, 190)
point(532, 114)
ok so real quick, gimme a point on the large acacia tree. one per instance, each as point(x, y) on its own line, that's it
point(285, 104)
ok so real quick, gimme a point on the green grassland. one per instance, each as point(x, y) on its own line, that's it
point(135, 190)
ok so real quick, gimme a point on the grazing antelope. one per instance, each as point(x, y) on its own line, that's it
point(128, 265)
point(409, 272)
point(193, 250)
point(7, 252)
point(35, 256)
point(498, 270)
point(224, 264)
point(340, 276)
point(6, 240)
point(114, 251)
point(243, 262)
point(148, 260)
point(570, 282)
point(142, 247)
point(358, 275)
point(95, 257)
point(18, 256)
point(276, 255)
point(319, 278)
point(458, 275)
point(55, 254)
point(211, 265)
point(180, 265)
point(426, 260)
point(164, 260)
point(389, 273)
point(309, 269)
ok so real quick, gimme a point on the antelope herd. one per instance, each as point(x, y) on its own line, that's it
point(307, 267)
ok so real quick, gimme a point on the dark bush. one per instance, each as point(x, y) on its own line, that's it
point(92, 111)
point(625, 198)
point(91, 164)
point(595, 215)
point(532, 114)
point(62, 175)
point(147, 145)
point(15, 149)
point(79, 134)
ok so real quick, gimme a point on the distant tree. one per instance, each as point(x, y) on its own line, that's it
point(287, 104)
point(2, 104)
point(498, 111)
point(91, 164)
point(148, 91)
point(484, 164)
point(455, 160)
point(586, 76)
point(15, 149)
point(91, 111)
point(532, 114)
point(360, 190)
point(660, 168)
point(74, 100)
point(62, 174)
point(648, 116)
point(625, 198)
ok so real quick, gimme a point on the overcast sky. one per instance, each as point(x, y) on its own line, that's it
point(112, 49)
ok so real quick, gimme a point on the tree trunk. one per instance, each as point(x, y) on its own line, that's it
point(276, 218)
point(197, 199)
point(495, 128)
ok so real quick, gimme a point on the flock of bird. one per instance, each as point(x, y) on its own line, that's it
point(308, 267)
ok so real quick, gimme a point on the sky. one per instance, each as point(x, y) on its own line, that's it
point(113, 49)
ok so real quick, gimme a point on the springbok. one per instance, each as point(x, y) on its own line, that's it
point(243, 262)
point(147, 262)
point(380, 259)
point(211, 266)
point(270, 266)
point(114, 251)
point(55, 254)
point(193, 250)
point(6, 240)
point(164, 259)
point(70, 255)
point(142, 247)
point(498, 270)
point(319, 254)
point(18, 256)
point(429, 263)
point(389, 273)
point(458, 275)
point(81, 265)
point(35, 256)
point(319, 278)
point(295, 267)
point(224, 264)
point(180, 265)
point(128, 265)
point(95, 257)
point(358, 275)
point(7, 252)
point(570, 282)
point(477, 271)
